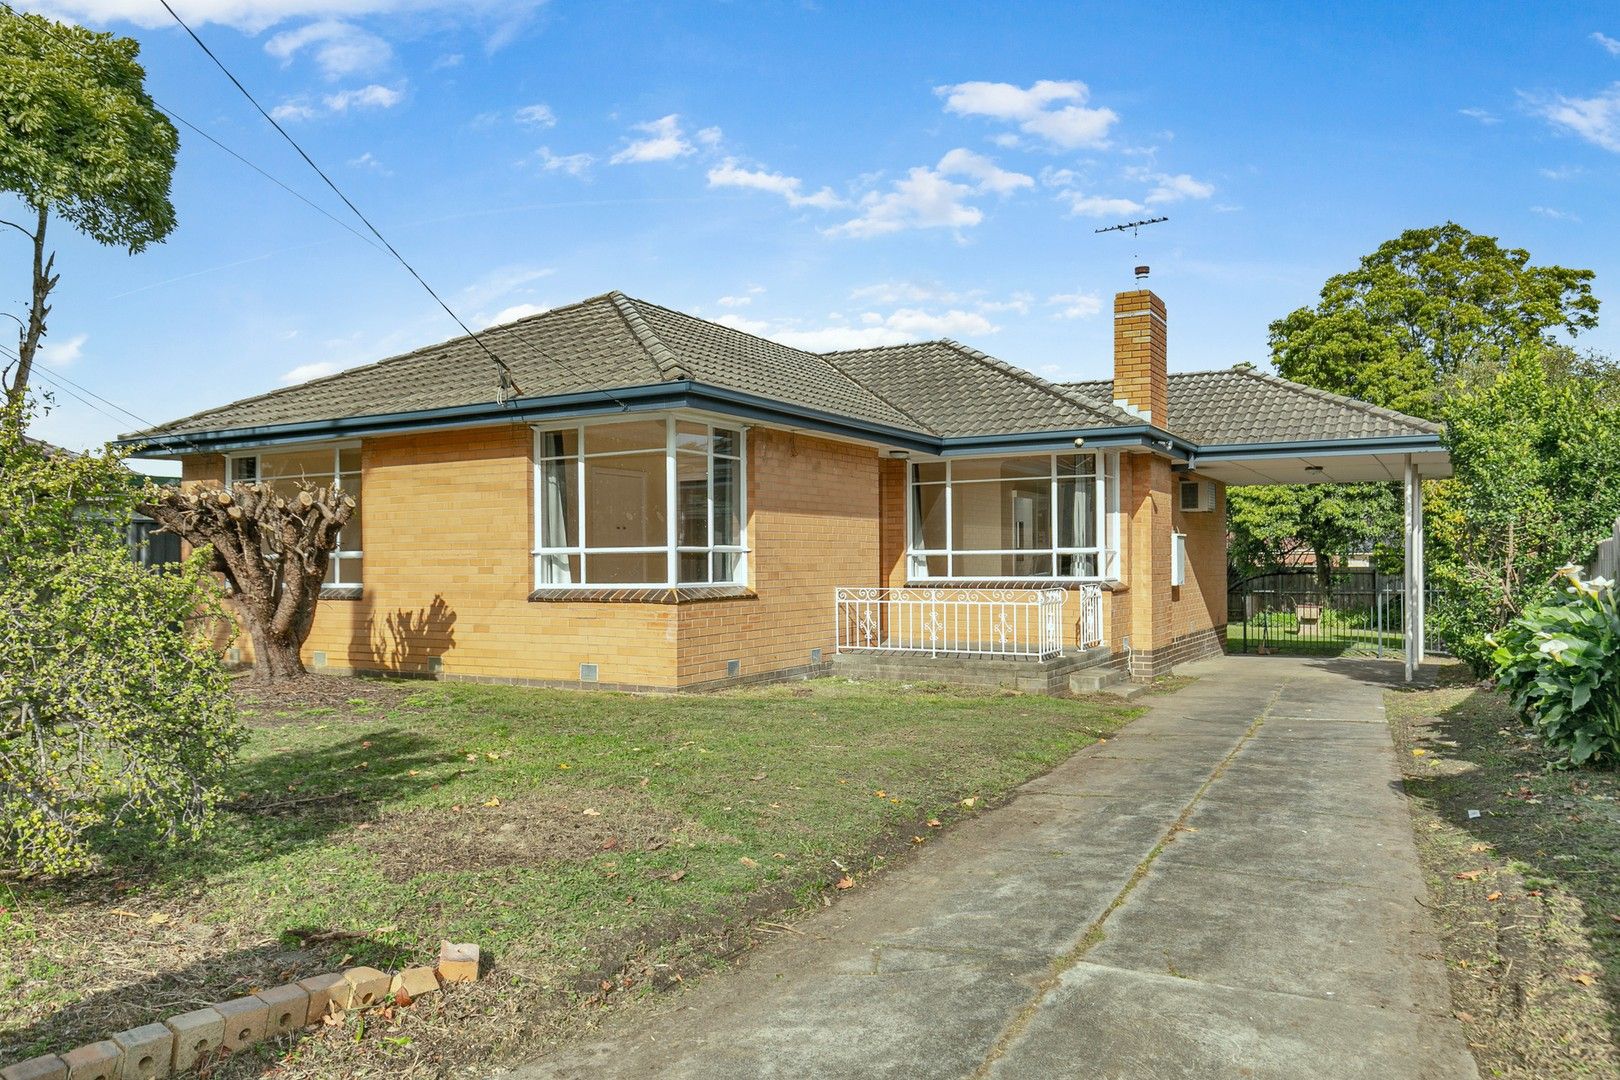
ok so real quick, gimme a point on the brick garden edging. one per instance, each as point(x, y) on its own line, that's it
point(177, 1045)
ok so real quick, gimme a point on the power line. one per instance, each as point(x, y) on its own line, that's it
point(508, 385)
point(57, 378)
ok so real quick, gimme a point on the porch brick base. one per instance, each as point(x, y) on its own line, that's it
point(1144, 666)
point(1026, 675)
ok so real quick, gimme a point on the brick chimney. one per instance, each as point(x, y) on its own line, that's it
point(1141, 366)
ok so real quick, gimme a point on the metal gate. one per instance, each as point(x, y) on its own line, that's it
point(1359, 612)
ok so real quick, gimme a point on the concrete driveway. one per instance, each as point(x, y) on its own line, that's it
point(1228, 888)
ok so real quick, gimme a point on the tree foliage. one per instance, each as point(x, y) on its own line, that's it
point(1287, 526)
point(1535, 455)
point(114, 710)
point(1428, 307)
point(272, 550)
point(81, 139)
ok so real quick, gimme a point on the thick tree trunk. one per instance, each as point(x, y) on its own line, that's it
point(273, 551)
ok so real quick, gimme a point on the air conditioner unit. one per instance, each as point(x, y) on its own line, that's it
point(1197, 496)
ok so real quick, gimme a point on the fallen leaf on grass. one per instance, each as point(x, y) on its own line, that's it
point(492, 801)
point(1418, 752)
point(589, 812)
point(1479, 849)
point(933, 823)
point(746, 861)
point(845, 882)
point(1584, 979)
point(564, 765)
point(1468, 875)
point(1493, 897)
point(880, 793)
point(677, 875)
point(1467, 1018)
point(969, 803)
point(157, 918)
point(126, 914)
point(919, 840)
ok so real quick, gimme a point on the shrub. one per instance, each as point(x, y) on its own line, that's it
point(1561, 662)
point(114, 710)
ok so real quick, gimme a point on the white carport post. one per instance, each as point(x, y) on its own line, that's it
point(1414, 614)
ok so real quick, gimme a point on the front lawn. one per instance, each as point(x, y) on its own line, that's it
point(1523, 863)
point(594, 845)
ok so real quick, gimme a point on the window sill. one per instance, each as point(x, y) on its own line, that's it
point(608, 594)
point(341, 592)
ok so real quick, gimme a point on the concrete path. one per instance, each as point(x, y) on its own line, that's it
point(1228, 888)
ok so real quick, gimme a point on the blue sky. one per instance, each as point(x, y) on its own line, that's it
point(827, 174)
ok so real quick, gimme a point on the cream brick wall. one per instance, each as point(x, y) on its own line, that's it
point(448, 533)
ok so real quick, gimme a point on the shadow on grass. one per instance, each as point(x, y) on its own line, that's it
point(1560, 827)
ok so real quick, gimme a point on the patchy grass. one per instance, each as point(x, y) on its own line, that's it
point(595, 845)
point(1527, 892)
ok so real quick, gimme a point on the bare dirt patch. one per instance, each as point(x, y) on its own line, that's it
point(267, 705)
point(525, 831)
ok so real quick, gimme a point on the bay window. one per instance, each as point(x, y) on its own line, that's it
point(639, 503)
point(335, 467)
point(1043, 516)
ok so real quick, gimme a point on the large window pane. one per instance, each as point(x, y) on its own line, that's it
point(627, 502)
point(693, 567)
point(727, 443)
point(727, 501)
point(561, 443)
point(1077, 513)
point(316, 465)
point(978, 565)
point(349, 459)
point(692, 513)
point(634, 435)
point(350, 539)
point(929, 472)
point(989, 517)
point(627, 569)
point(559, 509)
point(559, 569)
point(928, 517)
point(1001, 468)
point(727, 567)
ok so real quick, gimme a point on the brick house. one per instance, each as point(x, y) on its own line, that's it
point(662, 502)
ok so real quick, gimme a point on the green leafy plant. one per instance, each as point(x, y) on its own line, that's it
point(115, 713)
point(1561, 662)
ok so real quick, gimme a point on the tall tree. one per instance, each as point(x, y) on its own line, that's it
point(1427, 308)
point(80, 139)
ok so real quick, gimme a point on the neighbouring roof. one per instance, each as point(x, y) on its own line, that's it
point(938, 389)
point(1237, 406)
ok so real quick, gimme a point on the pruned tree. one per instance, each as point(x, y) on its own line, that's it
point(273, 551)
point(82, 140)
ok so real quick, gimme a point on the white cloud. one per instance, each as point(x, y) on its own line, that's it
point(1075, 305)
point(986, 174)
point(710, 136)
point(1169, 189)
point(293, 110)
point(63, 353)
point(1484, 116)
point(729, 174)
point(1554, 213)
point(1595, 119)
point(514, 313)
point(501, 282)
point(448, 60)
point(1563, 172)
point(367, 97)
point(1049, 110)
point(923, 200)
point(735, 301)
point(874, 329)
point(1608, 43)
point(306, 372)
point(1085, 205)
point(663, 140)
point(537, 115)
point(368, 160)
point(254, 16)
point(572, 164)
point(339, 48)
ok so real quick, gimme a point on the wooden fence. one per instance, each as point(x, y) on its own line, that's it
point(1606, 561)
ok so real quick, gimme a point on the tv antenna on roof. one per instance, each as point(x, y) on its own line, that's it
point(1131, 225)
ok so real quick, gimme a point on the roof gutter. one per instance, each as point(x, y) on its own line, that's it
point(1389, 444)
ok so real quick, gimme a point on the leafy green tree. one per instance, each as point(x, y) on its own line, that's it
point(81, 139)
point(114, 710)
point(1535, 458)
point(1428, 307)
point(1286, 526)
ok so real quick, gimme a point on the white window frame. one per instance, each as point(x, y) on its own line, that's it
point(340, 555)
point(671, 547)
point(1105, 480)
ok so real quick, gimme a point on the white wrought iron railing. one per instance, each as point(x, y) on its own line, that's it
point(1089, 632)
point(1024, 623)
